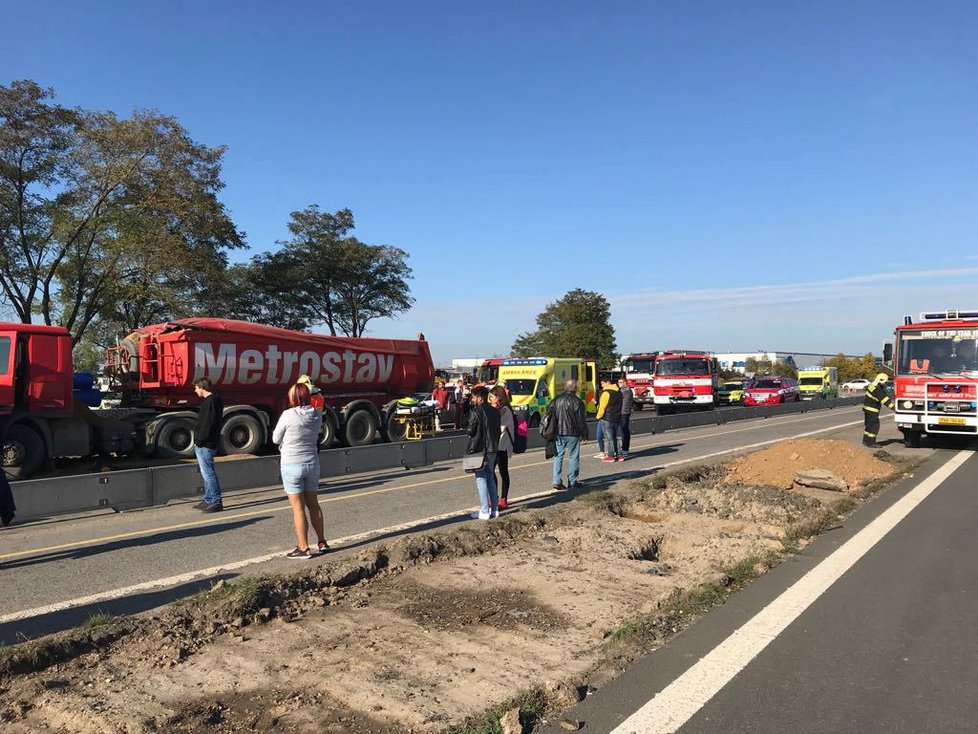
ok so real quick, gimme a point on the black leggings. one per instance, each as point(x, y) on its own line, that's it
point(502, 463)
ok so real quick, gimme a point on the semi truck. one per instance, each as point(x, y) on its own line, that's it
point(154, 369)
point(935, 374)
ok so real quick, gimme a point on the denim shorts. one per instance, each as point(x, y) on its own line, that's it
point(299, 478)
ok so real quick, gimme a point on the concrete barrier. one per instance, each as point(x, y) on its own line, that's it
point(135, 488)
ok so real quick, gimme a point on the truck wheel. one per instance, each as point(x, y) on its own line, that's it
point(23, 452)
point(175, 439)
point(328, 436)
point(911, 439)
point(395, 430)
point(360, 430)
point(637, 406)
point(242, 434)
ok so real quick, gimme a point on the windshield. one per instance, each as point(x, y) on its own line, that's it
point(776, 384)
point(520, 387)
point(682, 367)
point(488, 373)
point(4, 354)
point(810, 381)
point(640, 365)
point(938, 352)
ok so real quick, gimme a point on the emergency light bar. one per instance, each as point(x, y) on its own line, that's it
point(523, 362)
point(951, 313)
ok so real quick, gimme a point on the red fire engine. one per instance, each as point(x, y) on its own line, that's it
point(673, 379)
point(935, 368)
point(638, 370)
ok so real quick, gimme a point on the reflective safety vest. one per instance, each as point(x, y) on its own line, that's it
point(876, 395)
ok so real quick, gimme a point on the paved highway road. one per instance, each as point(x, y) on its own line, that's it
point(57, 573)
point(871, 629)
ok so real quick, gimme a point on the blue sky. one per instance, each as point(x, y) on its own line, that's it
point(789, 175)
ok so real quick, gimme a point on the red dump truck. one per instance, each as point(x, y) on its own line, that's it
point(155, 367)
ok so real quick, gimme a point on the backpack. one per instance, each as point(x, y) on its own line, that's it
point(521, 432)
point(548, 426)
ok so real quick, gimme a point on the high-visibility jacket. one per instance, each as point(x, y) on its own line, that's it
point(875, 396)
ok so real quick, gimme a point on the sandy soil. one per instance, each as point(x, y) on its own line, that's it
point(433, 630)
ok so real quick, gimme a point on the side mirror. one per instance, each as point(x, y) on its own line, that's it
point(887, 353)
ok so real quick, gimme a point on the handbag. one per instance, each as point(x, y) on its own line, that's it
point(473, 462)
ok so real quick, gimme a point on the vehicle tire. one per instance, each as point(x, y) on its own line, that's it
point(394, 430)
point(328, 437)
point(175, 438)
point(242, 433)
point(23, 452)
point(637, 406)
point(911, 439)
point(534, 421)
point(360, 429)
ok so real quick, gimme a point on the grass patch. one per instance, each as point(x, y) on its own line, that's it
point(532, 705)
point(659, 482)
point(245, 595)
point(99, 619)
point(686, 604)
point(603, 501)
point(813, 525)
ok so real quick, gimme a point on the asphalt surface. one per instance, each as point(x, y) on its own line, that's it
point(55, 574)
point(888, 647)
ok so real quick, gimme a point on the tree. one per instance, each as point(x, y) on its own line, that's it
point(852, 368)
point(578, 325)
point(765, 366)
point(323, 275)
point(105, 218)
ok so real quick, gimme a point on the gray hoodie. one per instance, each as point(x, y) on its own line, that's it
point(297, 434)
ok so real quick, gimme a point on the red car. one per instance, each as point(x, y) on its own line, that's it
point(772, 390)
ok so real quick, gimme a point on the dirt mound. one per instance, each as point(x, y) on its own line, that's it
point(776, 466)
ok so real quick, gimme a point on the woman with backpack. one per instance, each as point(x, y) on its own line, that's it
point(499, 399)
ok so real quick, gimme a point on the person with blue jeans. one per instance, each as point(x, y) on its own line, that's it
point(207, 439)
point(484, 433)
point(297, 435)
point(568, 412)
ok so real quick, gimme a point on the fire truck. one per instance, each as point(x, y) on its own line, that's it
point(154, 369)
point(935, 370)
point(684, 379)
point(638, 370)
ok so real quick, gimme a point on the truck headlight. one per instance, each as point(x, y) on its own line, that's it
point(906, 404)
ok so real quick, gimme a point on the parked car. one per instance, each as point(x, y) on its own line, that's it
point(772, 390)
point(731, 392)
point(854, 385)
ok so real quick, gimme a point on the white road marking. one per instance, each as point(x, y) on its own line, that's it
point(676, 704)
point(234, 565)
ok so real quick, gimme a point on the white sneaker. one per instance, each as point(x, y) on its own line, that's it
point(480, 516)
point(598, 456)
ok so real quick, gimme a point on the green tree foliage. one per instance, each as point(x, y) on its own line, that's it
point(578, 325)
point(322, 275)
point(852, 368)
point(103, 218)
point(760, 367)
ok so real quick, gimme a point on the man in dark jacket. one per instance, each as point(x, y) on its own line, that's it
point(875, 398)
point(484, 438)
point(568, 411)
point(207, 439)
point(627, 399)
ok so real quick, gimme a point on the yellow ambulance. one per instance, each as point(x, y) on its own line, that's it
point(535, 381)
point(818, 383)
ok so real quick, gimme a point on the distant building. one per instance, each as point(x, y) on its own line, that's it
point(737, 361)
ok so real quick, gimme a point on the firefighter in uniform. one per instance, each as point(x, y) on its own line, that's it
point(875, 397)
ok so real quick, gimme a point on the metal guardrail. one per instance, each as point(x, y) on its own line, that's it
point(130, 489)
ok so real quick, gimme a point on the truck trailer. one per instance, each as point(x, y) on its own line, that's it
point(154, 369)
